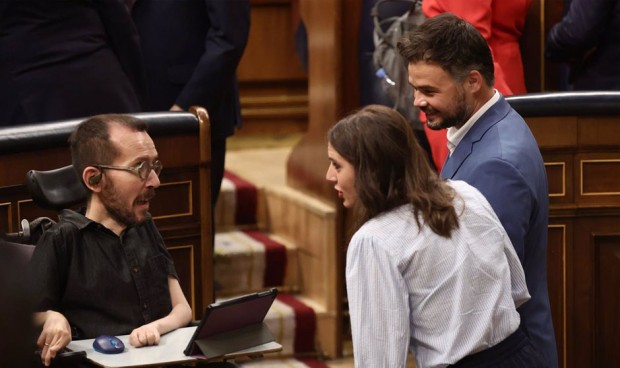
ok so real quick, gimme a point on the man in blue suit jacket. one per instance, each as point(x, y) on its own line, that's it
point(191, 52)
point(491, 147)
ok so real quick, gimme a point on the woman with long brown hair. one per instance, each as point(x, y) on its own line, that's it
point(430, 267)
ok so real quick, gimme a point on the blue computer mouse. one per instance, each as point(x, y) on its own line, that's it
point(108, 344)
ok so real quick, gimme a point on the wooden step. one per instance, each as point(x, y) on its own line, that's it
point(250, 260)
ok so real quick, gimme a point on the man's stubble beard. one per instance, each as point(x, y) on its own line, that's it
point(116, 208)
point(462, 114)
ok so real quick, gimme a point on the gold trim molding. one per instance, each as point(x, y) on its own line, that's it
point(563, 165)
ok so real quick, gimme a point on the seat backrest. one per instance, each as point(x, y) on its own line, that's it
point(16, 252)
point(581, 103)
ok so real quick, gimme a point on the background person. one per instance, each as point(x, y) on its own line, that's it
point(107, 270)
point(491, 148)
point(191, 52)
point(67, 59)
point(588, 37)
point(430, 267)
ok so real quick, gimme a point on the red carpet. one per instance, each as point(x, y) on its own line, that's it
point(247, 199)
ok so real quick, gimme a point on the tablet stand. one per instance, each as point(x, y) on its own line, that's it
point(231, 341)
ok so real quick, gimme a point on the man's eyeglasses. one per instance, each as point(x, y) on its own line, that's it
point(142, 170)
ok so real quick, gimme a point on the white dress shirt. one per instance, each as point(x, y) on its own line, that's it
point(442, 298)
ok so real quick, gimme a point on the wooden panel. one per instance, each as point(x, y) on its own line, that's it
point(272, 81)
point(6, 223)
point(176, 200)
point(557, 280)
point(595, 265)
point(556, 176)
point(599, 131)
point(183, 257)
point(532, 42)
point(607, 337)
point(306, 164)
point(597, 177)
point(554, 132)
point(582, 158)
point(26, 209)
point(552, 13)
point(270, 53)
point(177, 151)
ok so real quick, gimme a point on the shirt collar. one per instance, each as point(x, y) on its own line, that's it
point(455, 135)
point(76, 218)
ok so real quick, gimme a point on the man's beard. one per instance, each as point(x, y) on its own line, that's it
point(116, 208)
point(457, 119)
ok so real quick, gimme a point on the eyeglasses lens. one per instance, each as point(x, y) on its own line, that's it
point(144, 169)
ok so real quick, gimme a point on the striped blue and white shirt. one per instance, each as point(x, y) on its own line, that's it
point(443, 299)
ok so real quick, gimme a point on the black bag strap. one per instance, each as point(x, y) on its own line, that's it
point(379, 22)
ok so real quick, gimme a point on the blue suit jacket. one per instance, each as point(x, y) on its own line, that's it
point(191, 51)
point(500, 157)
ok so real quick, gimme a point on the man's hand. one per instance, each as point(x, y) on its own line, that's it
point(56, 334)
point(176, 108)
point(145, 335)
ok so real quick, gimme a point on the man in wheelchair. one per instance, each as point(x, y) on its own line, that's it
point(105, 269)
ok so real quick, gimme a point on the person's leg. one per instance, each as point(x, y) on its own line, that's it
point(218, 160)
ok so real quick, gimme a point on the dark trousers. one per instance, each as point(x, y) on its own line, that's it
point(516, 351)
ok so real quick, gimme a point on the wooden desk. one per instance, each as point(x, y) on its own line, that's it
point(168, 352)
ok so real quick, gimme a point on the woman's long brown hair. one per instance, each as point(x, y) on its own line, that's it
point(391, 169)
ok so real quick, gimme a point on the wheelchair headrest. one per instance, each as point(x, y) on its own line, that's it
point(56, 189)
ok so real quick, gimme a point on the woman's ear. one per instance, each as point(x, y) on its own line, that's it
point(92, 177)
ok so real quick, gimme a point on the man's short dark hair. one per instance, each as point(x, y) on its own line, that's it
point(451, 43)
point(90, 142)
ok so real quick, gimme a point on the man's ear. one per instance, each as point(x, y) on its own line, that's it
point(474, 81)
point(92, 177)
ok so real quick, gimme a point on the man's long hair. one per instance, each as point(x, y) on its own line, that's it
point(391, 169)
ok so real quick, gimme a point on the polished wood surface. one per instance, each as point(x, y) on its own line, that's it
point(181, 209)
point(582, 158)
point(273, 81)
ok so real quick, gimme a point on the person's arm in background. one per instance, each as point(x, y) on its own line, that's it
point(124, 41)
point(225, 43)
point(479, 14)
point(579, 30)
point(180, 316)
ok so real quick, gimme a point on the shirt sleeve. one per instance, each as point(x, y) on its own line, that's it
point(378, 305)
point(49, 265)
point(225, 41)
